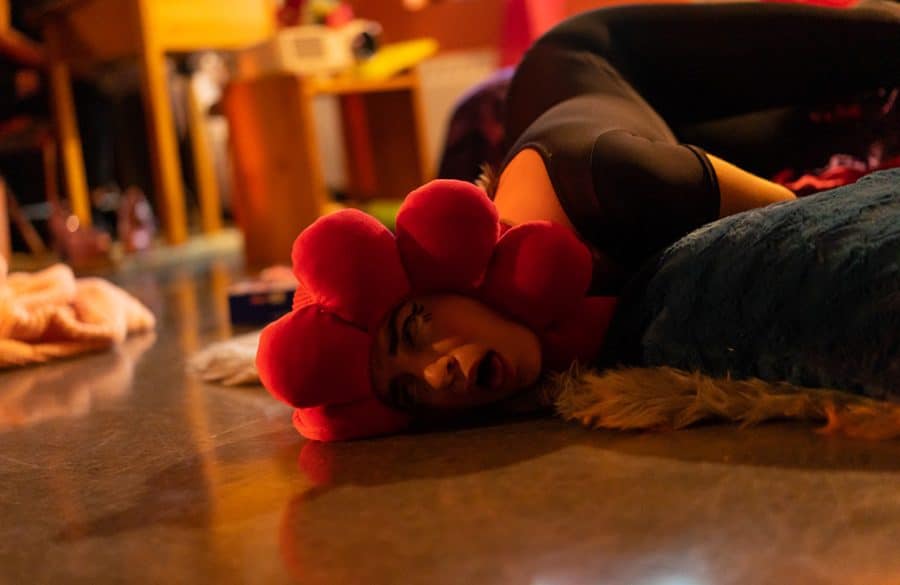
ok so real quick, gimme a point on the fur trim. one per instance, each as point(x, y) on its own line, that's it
point(487, 180)
point(641, 398)
point(666, 398)
point(231, 362)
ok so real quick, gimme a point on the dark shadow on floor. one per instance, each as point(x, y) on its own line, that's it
point(185, 494)
point(180, 494)
point(466, 451)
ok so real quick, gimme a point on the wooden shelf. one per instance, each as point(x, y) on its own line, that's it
point(351, 85)
point(19, 48)
point(279, 178)
point(5, 248)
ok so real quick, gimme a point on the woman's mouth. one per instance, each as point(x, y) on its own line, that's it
point(490, 371)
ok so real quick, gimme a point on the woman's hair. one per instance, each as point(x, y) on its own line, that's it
point(487, 180)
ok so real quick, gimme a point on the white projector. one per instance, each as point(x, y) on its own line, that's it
point(312, 49)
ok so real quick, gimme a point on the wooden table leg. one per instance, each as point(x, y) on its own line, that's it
point(396, 142)
point(386, 142)
point(67, 129)
point(279, 186)
point(49, 159)
point(5, 249)
point(31, 236)
point(207, 187)
point(164, 145)
point(420, 128)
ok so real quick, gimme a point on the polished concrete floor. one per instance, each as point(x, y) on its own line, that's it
point(123, 468)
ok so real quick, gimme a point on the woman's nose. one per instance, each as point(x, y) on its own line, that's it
point(443, 372)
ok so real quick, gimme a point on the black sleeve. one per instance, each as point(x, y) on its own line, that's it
point(646, 195)
point(627, 195)
point(619, 172)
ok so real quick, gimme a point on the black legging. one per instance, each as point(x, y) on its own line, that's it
point(695, 65)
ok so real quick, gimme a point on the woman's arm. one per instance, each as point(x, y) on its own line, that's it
point(658, 188)
point(524, 192)
point(740, 190)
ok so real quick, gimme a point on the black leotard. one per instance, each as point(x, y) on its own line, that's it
point(605, 97)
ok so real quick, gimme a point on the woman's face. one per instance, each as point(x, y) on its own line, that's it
point(449, 352)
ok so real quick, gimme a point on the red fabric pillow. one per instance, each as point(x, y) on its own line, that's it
point(352, 271)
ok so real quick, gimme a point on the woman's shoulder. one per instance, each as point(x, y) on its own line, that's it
point(525, 191)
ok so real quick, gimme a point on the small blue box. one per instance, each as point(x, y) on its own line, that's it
point(257, 302)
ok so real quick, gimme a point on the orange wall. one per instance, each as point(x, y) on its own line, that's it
point(467, 24)
point(456, 24)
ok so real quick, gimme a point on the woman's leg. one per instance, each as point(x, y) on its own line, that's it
point(688, 65)
point(702, 62)
point(772, 140)
point(653, 67)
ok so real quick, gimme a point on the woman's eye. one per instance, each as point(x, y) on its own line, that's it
point(413, 325)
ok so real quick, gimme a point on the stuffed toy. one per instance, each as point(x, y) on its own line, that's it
point(352, 271)
point(785, 312)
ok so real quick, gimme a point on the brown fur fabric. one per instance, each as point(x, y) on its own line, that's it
point(231, 362)
point(666, 398)
point(639, 398)
point(488, 180)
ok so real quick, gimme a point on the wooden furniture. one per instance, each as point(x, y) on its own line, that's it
point(26, 53)
point(19, 48)
point(25, 135)
point(279, 181)
point(508, 25)
point(5, 248)
point(16, 46)
point(455, 24)
point(80, 33)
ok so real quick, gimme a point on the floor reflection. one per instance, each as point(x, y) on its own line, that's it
point(504, 444)
point(69, 388)
point(165, 479)
point(250, 476)
point(710, 505)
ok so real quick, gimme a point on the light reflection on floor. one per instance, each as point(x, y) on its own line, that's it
point(121, 467)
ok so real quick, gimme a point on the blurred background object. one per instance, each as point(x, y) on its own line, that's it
point(34, 395)
point(5, 249)
point(138, 127)
point(146, 32)
point(191, 117)
point(133, 144)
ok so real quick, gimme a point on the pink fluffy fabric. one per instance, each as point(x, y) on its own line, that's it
point(51, 314)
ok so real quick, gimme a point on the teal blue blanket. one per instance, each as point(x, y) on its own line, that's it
point(806, 291)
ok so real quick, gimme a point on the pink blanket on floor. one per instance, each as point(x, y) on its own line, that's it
point(51, 314)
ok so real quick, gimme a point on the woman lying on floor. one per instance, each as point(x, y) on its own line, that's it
point(590, 264)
